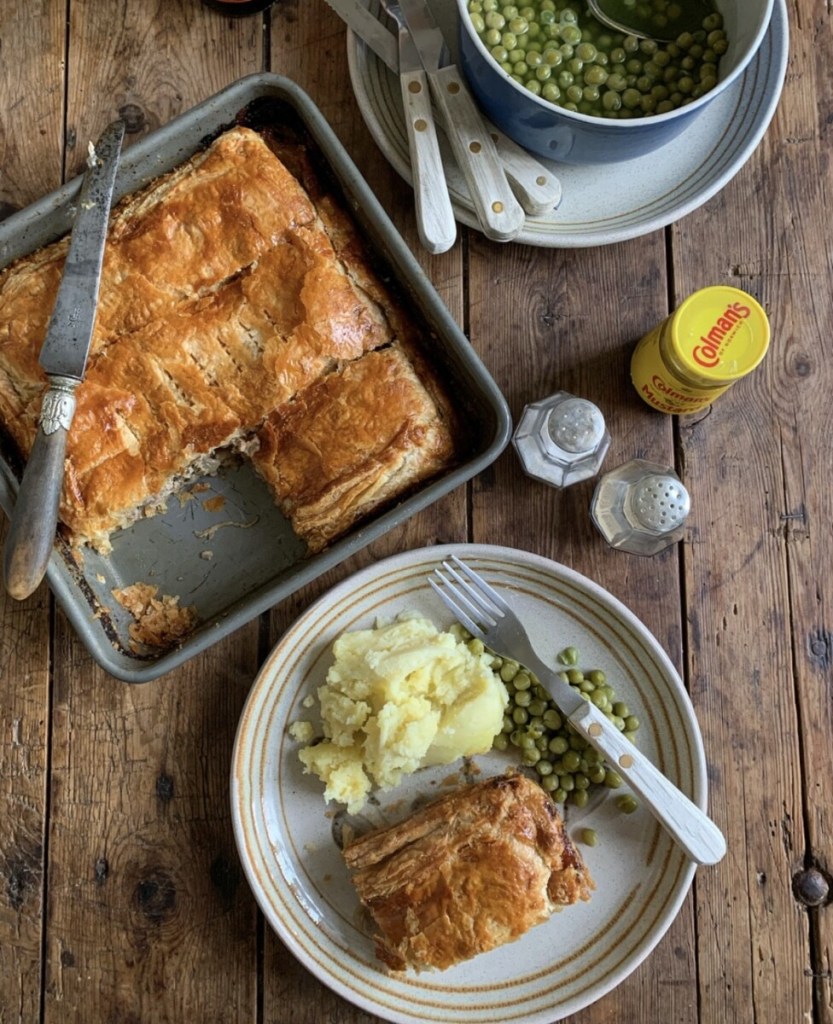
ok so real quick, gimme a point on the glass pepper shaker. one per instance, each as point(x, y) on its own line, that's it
point(561, 439)
point(640, 507)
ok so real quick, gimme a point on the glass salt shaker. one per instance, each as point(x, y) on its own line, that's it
point(561, 439)
point(640, 507)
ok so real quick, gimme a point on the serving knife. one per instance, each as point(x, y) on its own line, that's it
point(436, 222)
point(499, 213)
point(537, 189)
point(63, 357)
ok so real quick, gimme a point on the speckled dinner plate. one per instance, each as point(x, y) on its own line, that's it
point(286, 835)
point(613, 202)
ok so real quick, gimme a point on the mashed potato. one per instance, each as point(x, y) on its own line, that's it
point(397, 698)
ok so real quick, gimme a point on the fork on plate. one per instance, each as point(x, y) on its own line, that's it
point(487, 615)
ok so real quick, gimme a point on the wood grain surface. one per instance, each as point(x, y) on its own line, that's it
point(122, 900)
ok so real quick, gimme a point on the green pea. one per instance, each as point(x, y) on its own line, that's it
point(552, 719)
point(579, 797)
point(569, 656)
point(626, 803)
point(588, 837)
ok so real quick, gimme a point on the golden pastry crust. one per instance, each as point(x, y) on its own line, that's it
point(224, 295)
point(350, 442)
point(471, 871)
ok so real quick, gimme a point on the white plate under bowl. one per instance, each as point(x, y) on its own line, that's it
point(603, 203)
point(285, 832)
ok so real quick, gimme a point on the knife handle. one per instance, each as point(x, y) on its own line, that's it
point(536, 188)
point(35, 515)
point(690, 827)
point(436, 223)
point(499, 213)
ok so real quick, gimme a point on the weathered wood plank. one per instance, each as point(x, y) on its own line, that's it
point(24, 734)
point(32, 59)
point(149, 918)
point(753, 604)
point(31, 122)
point(800, 173)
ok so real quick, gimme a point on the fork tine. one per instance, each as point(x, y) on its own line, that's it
point(475, 598)
point(478, 581)
point(449, 602)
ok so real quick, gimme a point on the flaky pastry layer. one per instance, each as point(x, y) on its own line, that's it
point(471, 871)
point(226, 293)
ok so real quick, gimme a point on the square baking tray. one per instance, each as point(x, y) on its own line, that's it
point(224, 547)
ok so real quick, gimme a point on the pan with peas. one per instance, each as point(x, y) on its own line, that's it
point(559, 52)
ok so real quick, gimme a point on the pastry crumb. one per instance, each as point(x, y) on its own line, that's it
point(159, 620)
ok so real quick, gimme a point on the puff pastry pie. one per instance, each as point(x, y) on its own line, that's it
point(469, 872)
point(235, 309)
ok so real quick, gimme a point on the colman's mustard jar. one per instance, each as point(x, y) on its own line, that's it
point(714, 338)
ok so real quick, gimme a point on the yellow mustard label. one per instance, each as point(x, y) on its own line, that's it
point(718, 335)
point(712, 340)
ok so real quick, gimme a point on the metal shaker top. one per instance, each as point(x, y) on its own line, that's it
point(660, 503)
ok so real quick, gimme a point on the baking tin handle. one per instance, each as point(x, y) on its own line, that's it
point(35, 515)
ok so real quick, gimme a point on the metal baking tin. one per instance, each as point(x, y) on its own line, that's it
point(236, 557)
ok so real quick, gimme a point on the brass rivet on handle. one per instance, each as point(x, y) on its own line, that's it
point(475, 147)
point(595, 729)
point(420, 125)
point(497, 206)
point(626, 761)
point(453, 88)
point(414, 87)
point(540, 180)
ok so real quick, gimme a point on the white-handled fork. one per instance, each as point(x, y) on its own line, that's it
point(486, 614)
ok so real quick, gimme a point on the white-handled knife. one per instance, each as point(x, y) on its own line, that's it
point(436, 222)
point(499, 213)
point(536, 188)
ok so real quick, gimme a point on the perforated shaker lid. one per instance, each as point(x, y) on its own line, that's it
point(576, 425)
point(660, 503)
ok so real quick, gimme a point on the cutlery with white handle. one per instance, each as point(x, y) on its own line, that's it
point(536, 188)
point(500, 215)
point(485, 613)
point(436, 222)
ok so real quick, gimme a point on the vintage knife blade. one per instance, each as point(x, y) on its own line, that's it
point(64, 359)
point(369, 29)
point(498, 211)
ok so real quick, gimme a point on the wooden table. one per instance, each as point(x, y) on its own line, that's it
point(121, 896)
